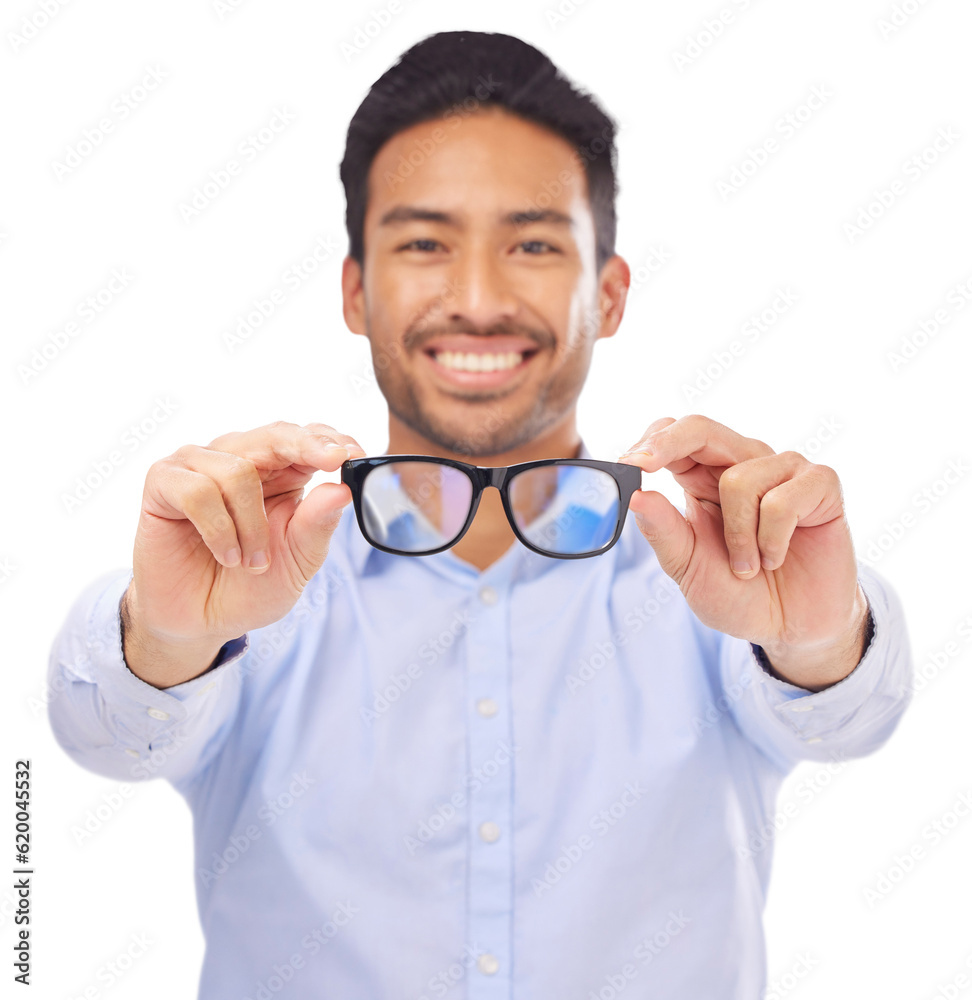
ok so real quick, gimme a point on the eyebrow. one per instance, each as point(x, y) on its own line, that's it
point(412, 213)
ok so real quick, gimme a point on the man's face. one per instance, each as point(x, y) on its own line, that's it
point(481, 329)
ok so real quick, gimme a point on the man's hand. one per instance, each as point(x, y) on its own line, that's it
point(763, 552)
point(226, 542)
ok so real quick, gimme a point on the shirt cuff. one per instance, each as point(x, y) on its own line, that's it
point(145, 711)
point(790, 698)
point(852, 717)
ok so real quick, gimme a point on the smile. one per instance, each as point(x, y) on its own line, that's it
point(478, 368)
point(469, 362)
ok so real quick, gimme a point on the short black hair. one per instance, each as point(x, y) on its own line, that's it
point(457, 72)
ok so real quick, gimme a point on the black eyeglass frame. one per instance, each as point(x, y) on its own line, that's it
point(627, 477)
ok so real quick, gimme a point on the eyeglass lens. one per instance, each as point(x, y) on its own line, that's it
point(418, 506)
point(415, 506)
point(565, 509)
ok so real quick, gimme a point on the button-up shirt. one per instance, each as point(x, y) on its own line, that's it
point(544, 780)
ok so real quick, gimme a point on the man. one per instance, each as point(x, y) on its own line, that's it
point(485, 772)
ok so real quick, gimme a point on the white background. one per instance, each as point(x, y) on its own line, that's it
point(824, 364)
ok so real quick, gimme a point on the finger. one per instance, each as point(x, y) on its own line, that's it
point(310, 529)
point(811, 498)
point(241, 489)
point(656, 425)
point(742, 488)
point(696, 439)
point(180, 493)
point(328, 433)
point(668, 533)
point(281, 444)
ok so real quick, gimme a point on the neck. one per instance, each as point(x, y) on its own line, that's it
point(490, 534)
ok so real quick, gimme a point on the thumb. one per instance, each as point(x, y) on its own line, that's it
point(668, 533)
point(314, 521)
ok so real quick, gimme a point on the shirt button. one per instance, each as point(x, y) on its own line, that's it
point(208, 687)
point(132, 753)
point(801, 708)
point(487, 963)
point(489, 831)
point(487, 707)
point(813, 739)
point(488, 595)
point(157, 713)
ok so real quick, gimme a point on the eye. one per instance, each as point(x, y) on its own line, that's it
point(538, 243)
point(413, 244)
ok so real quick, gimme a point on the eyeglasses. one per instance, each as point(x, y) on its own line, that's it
point(416, 505)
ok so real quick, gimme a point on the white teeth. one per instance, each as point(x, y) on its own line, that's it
point(469, 362)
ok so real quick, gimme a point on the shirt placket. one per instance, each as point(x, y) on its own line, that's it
point(491, 762)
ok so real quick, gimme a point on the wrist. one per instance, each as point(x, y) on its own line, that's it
point(140, 632)
point(157, 659)
point(819, 665)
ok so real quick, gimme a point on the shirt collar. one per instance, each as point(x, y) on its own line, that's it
point(364, 557)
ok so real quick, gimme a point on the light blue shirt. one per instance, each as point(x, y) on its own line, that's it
point(544, 781)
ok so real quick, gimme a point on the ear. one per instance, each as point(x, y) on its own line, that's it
point(612, 291)
point(352, 292)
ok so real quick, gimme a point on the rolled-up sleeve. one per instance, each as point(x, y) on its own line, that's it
point(851, 718)
point(112, 722)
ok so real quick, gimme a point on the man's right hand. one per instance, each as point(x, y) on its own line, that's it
point(225, 544)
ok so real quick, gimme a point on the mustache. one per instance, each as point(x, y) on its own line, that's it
point(416, 337)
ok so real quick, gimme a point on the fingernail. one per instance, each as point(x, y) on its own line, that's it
point(742, 568)
point(232, 557)
point(258, 561)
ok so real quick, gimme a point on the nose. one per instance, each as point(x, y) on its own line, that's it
point(482, 294)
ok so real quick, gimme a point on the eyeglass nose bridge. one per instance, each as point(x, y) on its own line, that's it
point(497, 476)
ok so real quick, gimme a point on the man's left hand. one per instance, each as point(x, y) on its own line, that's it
point(763, 552)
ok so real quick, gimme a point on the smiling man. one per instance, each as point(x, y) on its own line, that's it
point(545, 769)
point(485, 306)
